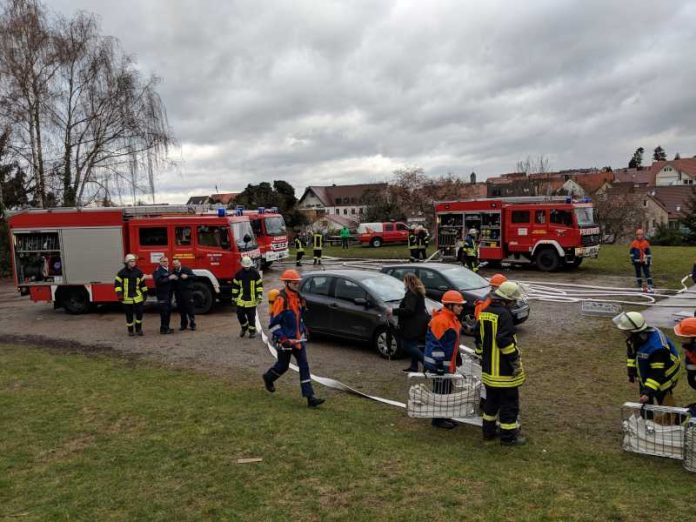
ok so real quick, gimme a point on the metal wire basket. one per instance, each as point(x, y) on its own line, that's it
point(690, 445)
point(654, 430)
point(447, 396)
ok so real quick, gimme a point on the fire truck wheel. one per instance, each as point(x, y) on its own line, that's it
point(266, 264)
point(547, 260)
point(75, 300)
point(202, 297)
point(387, 350)
point(376, 242)
point(576, 262)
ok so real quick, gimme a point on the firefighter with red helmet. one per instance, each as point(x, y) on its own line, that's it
point(495, 281)
point(289, 336)
point(501, 366)
point(686, 328)
point(131, 290)
point(442, 346)
point(641, 257)
point(247, 292)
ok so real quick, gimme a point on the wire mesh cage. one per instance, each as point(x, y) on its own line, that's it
point(690, 445)
point(654, 430)
point(451, 395)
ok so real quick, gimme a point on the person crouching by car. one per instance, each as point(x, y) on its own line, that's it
point(413, 320)
point(442, 346)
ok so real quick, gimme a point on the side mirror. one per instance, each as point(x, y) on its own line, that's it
point(246, 238)
point(361, 301)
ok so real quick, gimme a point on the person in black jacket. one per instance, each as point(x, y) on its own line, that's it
point(413, 320)
point(164, 288)
point(247, 292)
point(182, 292)
point(131, 290)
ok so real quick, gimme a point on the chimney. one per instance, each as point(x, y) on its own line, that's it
point(472, 178)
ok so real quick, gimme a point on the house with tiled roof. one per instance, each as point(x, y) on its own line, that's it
point(639, 176)
point(674, 172)
point(224, 198)
point(338, 200)
point(675, 200)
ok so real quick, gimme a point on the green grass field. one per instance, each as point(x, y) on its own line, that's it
point(97, 438)
point(670, 264)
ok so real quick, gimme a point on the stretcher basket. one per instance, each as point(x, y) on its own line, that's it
point(451, 395)
point(654, 430)
point(690, 445)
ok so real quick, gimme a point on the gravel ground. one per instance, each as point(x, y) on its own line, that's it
point(216, 348)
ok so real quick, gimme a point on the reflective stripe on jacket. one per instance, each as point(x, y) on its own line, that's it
point(412, 241)
point(286, 318)
point(657, 361)
point(442, 341)
point(247, 288)
point(470, 247)
point(130, 283)
point(496, 343)
point(317, 241)
point(298, 245)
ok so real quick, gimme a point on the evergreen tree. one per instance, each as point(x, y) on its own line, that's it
point(637, 159)
point(677, 156)
point(688, 218)
point(659, 154)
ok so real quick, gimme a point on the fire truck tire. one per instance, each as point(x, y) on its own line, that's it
point(388, 351)
point(266, 264)
point(576, 262)
point(376, 242)
point(547, 260)
point(202, 295)
point(75, 300)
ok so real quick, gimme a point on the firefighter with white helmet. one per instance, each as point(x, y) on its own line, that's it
point(470, 251)
point(501, 366)
point(651, 357)
point(131, 290)
point(289, 333)
point(442, 346)
point(247, 293)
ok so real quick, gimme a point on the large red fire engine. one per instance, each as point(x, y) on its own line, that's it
point(547, 232)
point(271, 234)
point(70, 256)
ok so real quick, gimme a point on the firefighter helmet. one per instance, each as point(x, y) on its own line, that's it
point(130, 257)
point(630, 322)
point(453, 297)
point(290, 275)
point(247, 262)
point(497, 279)
point(473, 232)
point(273, 294)
point(686, 327)
point(508, 291)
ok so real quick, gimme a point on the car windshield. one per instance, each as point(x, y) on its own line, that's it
point(385, 287)
point(275, 226)
point(585, 216)
point(464, 279)
point(241, 229)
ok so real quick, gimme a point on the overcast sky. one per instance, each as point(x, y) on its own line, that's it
point(322, 91)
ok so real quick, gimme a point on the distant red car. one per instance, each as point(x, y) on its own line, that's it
point(378, 234)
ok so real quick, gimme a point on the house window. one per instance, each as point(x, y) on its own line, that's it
point(338, 211)
point(345, 211)
point(360, 210)
point(645, 202)
point(338, 201)
point(352, 211)
point(346, 201)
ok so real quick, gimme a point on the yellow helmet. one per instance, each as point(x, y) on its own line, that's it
point(630, 322)
point(508, 291)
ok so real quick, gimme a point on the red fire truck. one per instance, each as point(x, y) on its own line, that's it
point(548, 232)
point(271, 234)
point(70, 256)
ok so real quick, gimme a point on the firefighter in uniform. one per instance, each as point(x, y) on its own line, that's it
point(131, 290)
point(651, 357)
point(317, 245)
point(412, 245)
point(299, 250)
point(641, 257)
point(422, 240)
point(247, 292)
point(164, 287)
point(184, 297)
point(495, 281)
point(470, 251)
point(501, 367)
point(288, 333)
point(687, 328)
point(442, 346)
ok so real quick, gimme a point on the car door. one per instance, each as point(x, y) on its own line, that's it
point(402, 233)
point(317, 293)
point(435, 284)
point(350, 318)
point(389, 232)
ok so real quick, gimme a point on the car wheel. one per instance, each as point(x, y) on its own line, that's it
point(547, 260)
point(202, 298)
point(388, 350)
point(376, 242)
point(75, 300)
point(576, 262)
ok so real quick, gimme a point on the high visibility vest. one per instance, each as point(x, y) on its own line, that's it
point(412, 242)
point(496, 368)
point(298, 245)
point(317, 241)
point(131, 284)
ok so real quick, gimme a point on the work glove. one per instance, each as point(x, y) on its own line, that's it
point(632, 373)
point(516, 367)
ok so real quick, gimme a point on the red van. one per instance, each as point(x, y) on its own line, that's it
point(378, 234)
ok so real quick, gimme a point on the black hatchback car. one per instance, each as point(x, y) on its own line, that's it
point(352, 304)
point(440, 277)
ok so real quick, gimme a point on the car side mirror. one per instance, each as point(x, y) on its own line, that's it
point(361, 301)
point(247, 238)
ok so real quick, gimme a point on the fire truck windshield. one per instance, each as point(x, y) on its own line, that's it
point(275, 226)
point(244, 236)
point(585, 216)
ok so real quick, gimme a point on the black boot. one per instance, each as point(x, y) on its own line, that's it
point(313, 402)
point(139, 329)
point(268, 383)
point(252, 334)
point(131, 333)
point(244, 330)
point(519, 440)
